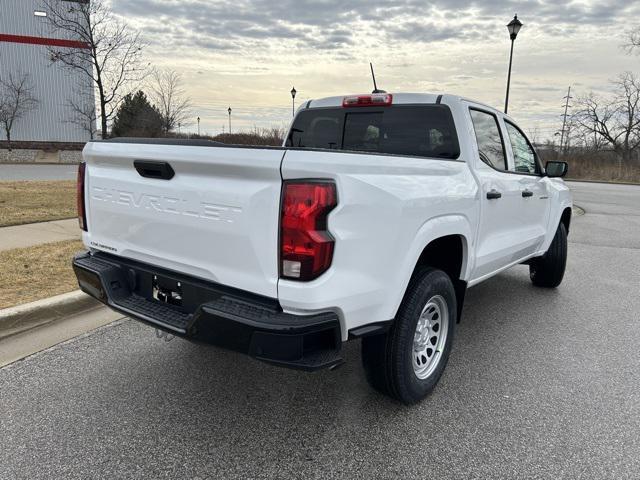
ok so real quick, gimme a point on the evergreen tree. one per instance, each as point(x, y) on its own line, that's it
point(136, 117)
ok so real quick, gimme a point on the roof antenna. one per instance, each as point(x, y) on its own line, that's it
point(373, 75)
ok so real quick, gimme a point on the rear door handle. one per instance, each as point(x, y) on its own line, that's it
point(493, 194)
point(527, 193)
point(150, 169)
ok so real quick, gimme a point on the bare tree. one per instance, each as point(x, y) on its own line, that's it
point(107, 51)
point(169, 96)
point(16, 100)
point(83, 115)
point(633, 40)
point(616, 120)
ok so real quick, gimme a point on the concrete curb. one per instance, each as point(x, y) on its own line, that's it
point(19, 319)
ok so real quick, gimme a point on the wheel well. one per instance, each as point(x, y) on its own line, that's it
point(447, 254)
point(566, 218)
point(444, 253)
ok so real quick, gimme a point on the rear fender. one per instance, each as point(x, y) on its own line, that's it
point(432, 230)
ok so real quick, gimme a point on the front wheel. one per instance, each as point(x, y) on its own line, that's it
point(407, 362)
point(548, 270)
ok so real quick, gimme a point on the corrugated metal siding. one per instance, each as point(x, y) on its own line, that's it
point(54, 86)
point(17, 18)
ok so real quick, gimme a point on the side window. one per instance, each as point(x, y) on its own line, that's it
point(523, 155)
point(489, 139)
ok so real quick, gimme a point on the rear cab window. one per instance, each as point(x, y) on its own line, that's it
point(415, 130)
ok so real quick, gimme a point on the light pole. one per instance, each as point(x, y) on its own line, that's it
point(229, 110)
point(514, 27)
point(293, 99)
point(198, 126)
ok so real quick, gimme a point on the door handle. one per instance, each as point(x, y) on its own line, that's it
point(527, 193)
point(493, 194)
point(150, 169)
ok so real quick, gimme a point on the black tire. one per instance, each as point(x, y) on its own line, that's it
point(548, 270)
point(388, 358)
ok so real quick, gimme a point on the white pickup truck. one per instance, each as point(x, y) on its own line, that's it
point(370, 222)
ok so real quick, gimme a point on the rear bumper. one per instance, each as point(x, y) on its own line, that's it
point(212, 313)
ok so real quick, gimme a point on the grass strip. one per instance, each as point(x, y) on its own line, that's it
point(36, 201)
point(33, 273)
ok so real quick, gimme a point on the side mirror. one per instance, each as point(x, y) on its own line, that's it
point(556, 169)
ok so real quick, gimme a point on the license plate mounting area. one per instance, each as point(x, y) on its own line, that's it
point(167, 291)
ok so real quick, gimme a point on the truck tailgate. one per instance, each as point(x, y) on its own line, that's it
point(217, 218)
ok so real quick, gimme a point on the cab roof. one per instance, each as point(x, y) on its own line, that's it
point(400, 99)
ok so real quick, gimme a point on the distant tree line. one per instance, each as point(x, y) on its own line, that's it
point(609, 122)
point(601, 138)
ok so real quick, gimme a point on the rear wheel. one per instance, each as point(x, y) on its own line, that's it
point(407, 362)
point(548, 270)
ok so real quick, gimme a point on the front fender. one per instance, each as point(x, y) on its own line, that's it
point(561, 199)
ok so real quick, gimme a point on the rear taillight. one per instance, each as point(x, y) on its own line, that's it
point(306, 246)
point(374, 100)
point(82, 214)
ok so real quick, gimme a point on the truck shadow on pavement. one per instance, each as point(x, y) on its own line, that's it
point(208, 387)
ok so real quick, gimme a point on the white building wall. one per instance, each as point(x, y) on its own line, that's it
point(54, 86)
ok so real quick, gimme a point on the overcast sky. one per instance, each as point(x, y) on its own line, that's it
point(249, 53)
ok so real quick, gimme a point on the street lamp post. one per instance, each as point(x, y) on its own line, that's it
point(229, 110)
point(293, 98)
point(514, 27)
point(198, 126)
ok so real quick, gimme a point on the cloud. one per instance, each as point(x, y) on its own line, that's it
point(218, 25)
point(429, 32)
point(256, 49)
point(334, 24)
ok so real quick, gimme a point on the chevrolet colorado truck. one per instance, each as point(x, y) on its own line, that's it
point(369, 223)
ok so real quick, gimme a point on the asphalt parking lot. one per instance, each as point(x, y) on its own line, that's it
point(540, 384)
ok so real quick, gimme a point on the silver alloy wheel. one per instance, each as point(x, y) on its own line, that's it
point(430, 337)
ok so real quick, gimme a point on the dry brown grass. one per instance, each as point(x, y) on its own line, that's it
point(603, 170)
point(262, 137)
point(28, 274)
point(36, 201)
point(596, 165)
point(256, 137)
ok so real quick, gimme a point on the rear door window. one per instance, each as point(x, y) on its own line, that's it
point(425, 131)
point(489, 138)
